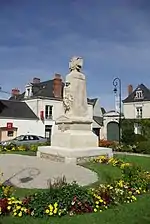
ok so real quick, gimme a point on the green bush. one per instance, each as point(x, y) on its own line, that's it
point(128, 137)
point(140, 138)
point(143, 147)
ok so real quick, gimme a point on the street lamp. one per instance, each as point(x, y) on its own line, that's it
point(117, 87)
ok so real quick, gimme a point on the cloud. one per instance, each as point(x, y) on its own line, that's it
point(113, 37)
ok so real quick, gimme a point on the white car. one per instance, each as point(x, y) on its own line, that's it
point(25, 140)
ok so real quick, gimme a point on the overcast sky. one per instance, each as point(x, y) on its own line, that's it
point(38, 37)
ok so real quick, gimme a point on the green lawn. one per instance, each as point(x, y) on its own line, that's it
point(134, 213)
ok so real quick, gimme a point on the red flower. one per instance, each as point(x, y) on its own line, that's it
point(4, 205)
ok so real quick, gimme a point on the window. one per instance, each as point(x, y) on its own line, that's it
point(10, 133)
point(137, 128)
point(33, 137)
point(139, 94)
point(28, 92)
point(139, 112)
point(19, 138)
point(48, 112)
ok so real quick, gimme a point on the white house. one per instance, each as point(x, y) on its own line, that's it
point(137, 103)
point(17, 118)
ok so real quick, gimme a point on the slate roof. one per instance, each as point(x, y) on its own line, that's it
point(98, 120)
point(42, 89)
point(45, 90)
point(145, 91)
point(92, 101)
point(16, 109)
point(103, 110)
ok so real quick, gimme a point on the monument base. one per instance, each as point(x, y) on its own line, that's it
point(74, 156)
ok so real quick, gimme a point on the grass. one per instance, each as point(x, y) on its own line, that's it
point(134, 213)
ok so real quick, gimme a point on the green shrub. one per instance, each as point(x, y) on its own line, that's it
point(143, 147)
point(140, 138)
point(128, 137)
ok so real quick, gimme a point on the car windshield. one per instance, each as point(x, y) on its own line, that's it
point(19, 138)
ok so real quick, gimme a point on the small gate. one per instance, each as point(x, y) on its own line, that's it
point(113, 131)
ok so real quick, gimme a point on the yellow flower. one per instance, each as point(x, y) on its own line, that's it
point(137, 191)
point(134, 198)
point(25, 210)
point(9, 207)
point(51, 207)
point(97, 202)
point(20, 214)
point(51, 213)
point(56, 204)
point(95, 210)
point(18, 207)
point(15, 213)
point(100, 210)
point(47, 211)
point(120, 183)
point(97, 206)
point(55, 211)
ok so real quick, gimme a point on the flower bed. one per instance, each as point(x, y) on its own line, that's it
point(71, 199)
point(21, 148)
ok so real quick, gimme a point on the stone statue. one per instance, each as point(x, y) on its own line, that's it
point(74, 95)
point(76, 63)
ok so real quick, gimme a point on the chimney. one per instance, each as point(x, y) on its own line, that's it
point(15, 92)
point(57, 86)
point(36, 80)
point(130, 89)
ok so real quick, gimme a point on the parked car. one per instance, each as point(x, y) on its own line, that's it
point(24, 140)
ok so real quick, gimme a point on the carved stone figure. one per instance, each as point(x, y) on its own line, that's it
point(76, 63)
point(67, 98)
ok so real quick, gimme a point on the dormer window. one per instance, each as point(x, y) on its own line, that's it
point(28, 91)
point(139, 94)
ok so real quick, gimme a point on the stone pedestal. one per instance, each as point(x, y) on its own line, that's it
point(74, 133)
point(73, 156)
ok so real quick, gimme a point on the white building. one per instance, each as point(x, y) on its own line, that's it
point(17, 118)
point(137, 103)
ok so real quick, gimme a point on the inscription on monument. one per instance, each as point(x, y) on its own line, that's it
point(63, 127)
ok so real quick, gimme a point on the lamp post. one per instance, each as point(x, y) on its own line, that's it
point(117, 88)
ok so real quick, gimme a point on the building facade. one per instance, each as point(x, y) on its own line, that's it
point(137, 103)
point(44, 101)
point(16, 118)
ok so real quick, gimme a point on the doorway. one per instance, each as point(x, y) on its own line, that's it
point(48, 132)
point(113, 131)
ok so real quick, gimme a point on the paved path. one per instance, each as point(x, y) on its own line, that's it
point(33, 172)
point(131, 154)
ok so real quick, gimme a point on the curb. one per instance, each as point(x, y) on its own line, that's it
point(131, 154)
